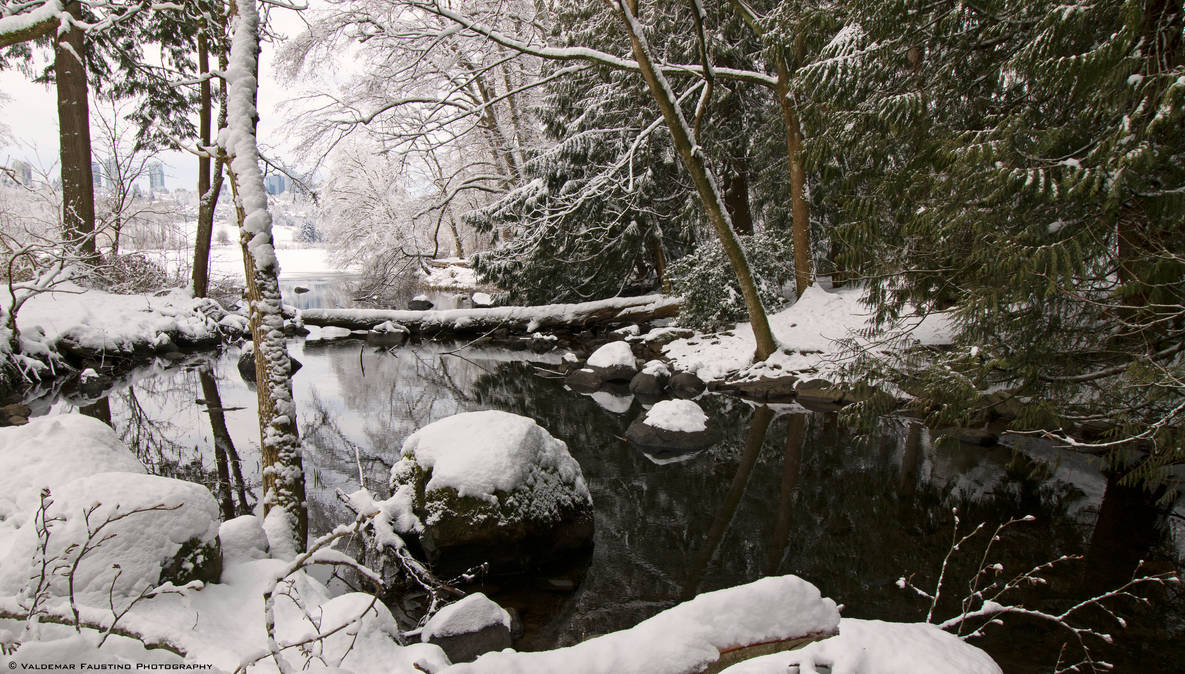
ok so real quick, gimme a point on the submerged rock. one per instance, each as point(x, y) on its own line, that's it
point(676, 426)
point(388, 334)
point(468, 628)
point(584, 380)
point(490, 487)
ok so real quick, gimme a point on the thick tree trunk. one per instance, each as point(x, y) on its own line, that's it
point(705, 182)
point(736, 199)
point(280, 451)
point(78, 190)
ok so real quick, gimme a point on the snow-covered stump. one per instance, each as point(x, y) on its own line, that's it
point(286, 516)
point(705, 634)
point(490, 487)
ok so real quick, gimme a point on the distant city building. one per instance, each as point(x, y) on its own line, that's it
point(97, 174)
point(23, 172)
point(156, 177)
point(276, 183)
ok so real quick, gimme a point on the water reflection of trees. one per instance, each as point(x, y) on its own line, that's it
point(793, 494)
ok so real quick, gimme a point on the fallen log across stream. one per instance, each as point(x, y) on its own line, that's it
point(525, 320)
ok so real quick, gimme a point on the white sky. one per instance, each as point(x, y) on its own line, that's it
point(29, 113)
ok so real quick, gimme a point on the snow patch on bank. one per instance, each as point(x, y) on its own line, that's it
point(807, 331)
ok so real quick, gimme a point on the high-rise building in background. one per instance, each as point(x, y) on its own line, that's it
point(97, 174)
point(156, 177)
point(276, 183)
point(22, 172)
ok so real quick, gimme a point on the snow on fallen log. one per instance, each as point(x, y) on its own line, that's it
point(514, 319)
point(712, 631)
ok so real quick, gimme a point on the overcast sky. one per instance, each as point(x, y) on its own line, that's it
point(29, 111)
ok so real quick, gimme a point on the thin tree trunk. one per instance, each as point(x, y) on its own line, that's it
point(279, 445)
point(78, 190)
point(207, 192)
point(800, 210)
point(705, 182)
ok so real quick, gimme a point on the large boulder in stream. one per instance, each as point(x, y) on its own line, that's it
point(490, 487)
point(674, 426)
point(613, 362)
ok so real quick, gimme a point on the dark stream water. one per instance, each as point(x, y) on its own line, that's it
point(786, 491)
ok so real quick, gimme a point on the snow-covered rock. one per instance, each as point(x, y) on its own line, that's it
point(674, 425)
point(420, 303)
point(482, 300)
point(242, 539)
point(686, 385)
point(493, 485)
point(467, 628)
point(131, 532)
point(614, 361)
point(51, 451)
point(876, 647)
point(246, 363)
point(652, 380)
point(687, 637)
point(367, 642)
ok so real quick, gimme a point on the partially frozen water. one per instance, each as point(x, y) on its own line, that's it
point(806, 496)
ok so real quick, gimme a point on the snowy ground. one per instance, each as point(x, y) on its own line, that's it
point(807, 333)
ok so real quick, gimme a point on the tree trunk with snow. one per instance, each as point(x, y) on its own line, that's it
point(78, 192)
point(701, 175)
point(283, 472)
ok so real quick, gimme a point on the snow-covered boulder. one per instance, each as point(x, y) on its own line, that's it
point(491, 486)
point(420, 303)
point(673, 425)
point(130, 532)
point(469, 627)
point(651, 382)
point(482, 300)
point(613, 362)
point(242, 539)
point(51, 451)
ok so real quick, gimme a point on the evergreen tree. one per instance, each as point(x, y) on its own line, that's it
point(1019, 164)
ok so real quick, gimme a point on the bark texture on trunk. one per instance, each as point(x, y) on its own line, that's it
point(78, 190)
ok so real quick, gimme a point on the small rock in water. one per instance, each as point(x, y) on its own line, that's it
point(300, 290)
point(420, 303)
point(686, 385)
point(468, 628)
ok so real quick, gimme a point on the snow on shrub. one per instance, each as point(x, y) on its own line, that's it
point(711, 296)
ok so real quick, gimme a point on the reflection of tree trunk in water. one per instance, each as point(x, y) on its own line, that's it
point(1124, 533)
point(791, 466)
point(225, 454)
point(911, 462)
point(753, 440)
point(100, 409)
